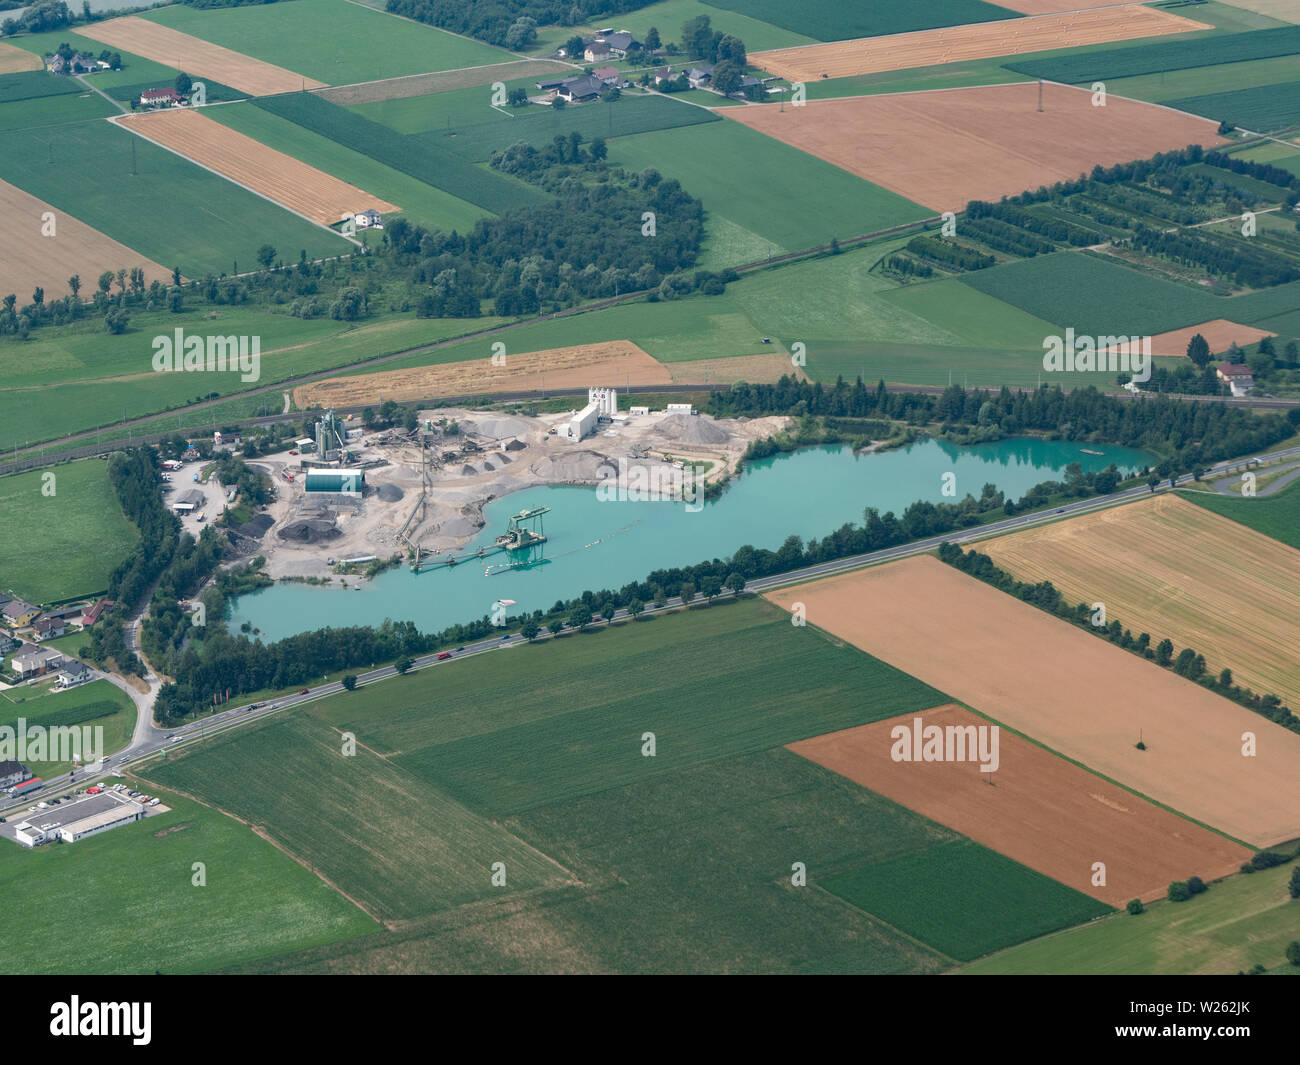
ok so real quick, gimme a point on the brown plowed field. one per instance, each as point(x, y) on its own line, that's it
point(960, 44)
point(201, 59)
point(15, 60)
point(1170, 568)
point(1037, 809)
point(1070, 690)
point(614, 363)
point(277, 176)
point(1220, 334)
point(370, 92)
point(31, 259)
point(947, 147)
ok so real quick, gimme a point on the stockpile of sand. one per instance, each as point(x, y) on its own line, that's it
point(573, 466)
point(496, 428)
point(692, 429)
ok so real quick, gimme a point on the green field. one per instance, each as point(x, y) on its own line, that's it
point(1277, 515)
point(132, 908)
point(1261, 108)
point(776, 192)
point(134, 68)
point(1182, 53)
point(538, 126)
point(396, 845)
point(360, 44)
point(1003, 902)
point(833, 20)
point(204, 223)
point(1224, 78)
point(65, 544)
point(53, 111)
point(472, 728)
point(421, 203)
point(668, 15)
point(33, 84)
point(97, 705)
point(1240, 922)
point(421, 159)
point(1100, 297)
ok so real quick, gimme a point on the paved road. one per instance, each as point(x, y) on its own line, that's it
point(1231, 486)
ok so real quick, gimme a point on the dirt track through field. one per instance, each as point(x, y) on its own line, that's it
point(961, 44)
point(277, 176)
point(14, 60)
point(1037, 809)
point(614, 363)
point(440, 81)
point(196, 57)
point(1173, 569)
point(31, 259)
point(1070, 690)
point(945, 148)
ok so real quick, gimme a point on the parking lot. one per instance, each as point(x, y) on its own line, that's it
point(76, 808)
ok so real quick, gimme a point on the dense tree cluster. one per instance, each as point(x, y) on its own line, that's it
point(1053, 229)
point(1188, 663)
point(949, 253)
point(491, 20)
point(1238, 260)
point(39, 17)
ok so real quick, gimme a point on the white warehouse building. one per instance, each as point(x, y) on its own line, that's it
point(101, 822)
point(583, 423)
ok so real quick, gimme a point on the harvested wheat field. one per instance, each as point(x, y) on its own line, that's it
point(946, 147)
point(199, 58)
point(279, 177)
point(1037, 809)
point(1170, 568)
point(369, 92)
point(75, 248)
point(1283, 10)
point(1220, 334)
point(614, 363)
point(15, 60)
point(756, 369)
point(1053, 7)
point(1070, 690)
point(960, 44)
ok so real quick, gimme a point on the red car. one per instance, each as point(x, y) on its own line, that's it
point(304, 691)
point(443, 654)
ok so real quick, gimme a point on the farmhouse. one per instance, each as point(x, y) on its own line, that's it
point(19, 612)
point(663, 74)
point(160, 97)
point(36, 662)
point(700, 76)
point(597, 51)
point(550, 86)
point(92, 614)
point(1237, 376)
point(577, 90)
point(12, 773)
point(608, 75)
point(620, 43)
point(48, 629)
point(74, 64)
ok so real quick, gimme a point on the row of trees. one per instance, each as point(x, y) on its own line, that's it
point(1187, 663)
point(494, 20)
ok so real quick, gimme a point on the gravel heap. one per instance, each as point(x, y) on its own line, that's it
point(692, 429)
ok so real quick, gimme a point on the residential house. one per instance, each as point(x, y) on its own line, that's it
point(663, 74)
point(35, 661)
point(19, 612)
point(576, 90)
point(48, 629)
point(7, 642)
point(74, 673)
point(609, 75)
point(597, 52)
point(12, 773)
point(74, 64)
point(1237, 376)
point(700, 76)
point(368, 219)
point(160, 98)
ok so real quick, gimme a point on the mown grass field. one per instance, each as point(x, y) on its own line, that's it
point(542, 726)
point(829, 20)
point(395, 844)
point(66, 544)
point(361, 44)
point(1277, 515)
point(132, 909)
point(1261, 108)
point(422, 203)
point(33, 84)
point(204, 224)
point(538, 126)
point(53, 111)
point(786, 197)
point(668, 16)
point(1225, 77)
point(1240, 922)
point(1002, 902)
point(46, 707)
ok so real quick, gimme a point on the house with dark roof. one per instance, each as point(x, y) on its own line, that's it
point(19, 612)
point(48, 629)
point(619, 43)
point(700, 76)
point(12, 773)
point(74, 673)
point(1238, 377)
point(74, 64)
point(576, 90)
point(596, 52)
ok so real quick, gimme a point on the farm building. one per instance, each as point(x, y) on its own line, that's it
point(597, 51)
point(349, 482)
point(160, 97)
point(91, 614)
point(619, 44)
point(576, 90)
point(1237, 377)
point(12, 773)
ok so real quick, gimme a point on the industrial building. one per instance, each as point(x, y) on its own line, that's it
point(187, 501)
point(605, 400)
point(124, 814)
point(583, 423)
point(341, 482)
point(77, 819)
